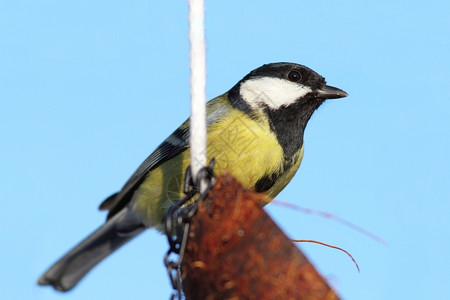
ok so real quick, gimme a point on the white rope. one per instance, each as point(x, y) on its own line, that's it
point(198, 85)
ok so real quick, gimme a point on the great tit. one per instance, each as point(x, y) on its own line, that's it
point(255, 132)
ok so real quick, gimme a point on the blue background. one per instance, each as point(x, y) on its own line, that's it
point(89, 88)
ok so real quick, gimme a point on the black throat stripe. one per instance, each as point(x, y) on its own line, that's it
point(289, 123)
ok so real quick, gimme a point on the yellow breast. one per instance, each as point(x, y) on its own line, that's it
point(241, 146)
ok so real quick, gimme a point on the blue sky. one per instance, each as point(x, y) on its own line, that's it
point(89, 89)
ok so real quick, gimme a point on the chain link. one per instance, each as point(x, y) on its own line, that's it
point(177, 222)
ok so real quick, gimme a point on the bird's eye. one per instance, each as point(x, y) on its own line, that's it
point(294, 76)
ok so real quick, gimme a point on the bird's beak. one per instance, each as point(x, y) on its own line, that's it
point(330, 92)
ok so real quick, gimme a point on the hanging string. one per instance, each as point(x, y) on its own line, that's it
point(198, 87)
point(198, 177)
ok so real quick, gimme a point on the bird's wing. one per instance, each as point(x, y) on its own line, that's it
point(175, 144)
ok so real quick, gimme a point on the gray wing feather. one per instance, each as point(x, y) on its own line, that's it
point(176, 143)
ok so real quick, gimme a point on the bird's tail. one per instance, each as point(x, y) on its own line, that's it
point(72, 267)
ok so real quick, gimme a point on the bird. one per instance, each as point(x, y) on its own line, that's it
point(254, 132)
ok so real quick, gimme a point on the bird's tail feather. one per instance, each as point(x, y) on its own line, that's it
point(73, 266)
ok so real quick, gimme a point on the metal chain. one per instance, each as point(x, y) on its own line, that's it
point(177, 222)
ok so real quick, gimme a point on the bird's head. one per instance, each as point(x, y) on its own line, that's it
point(285, 94)
point(280, 85)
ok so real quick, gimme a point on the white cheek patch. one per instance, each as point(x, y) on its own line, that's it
point(273, 92)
